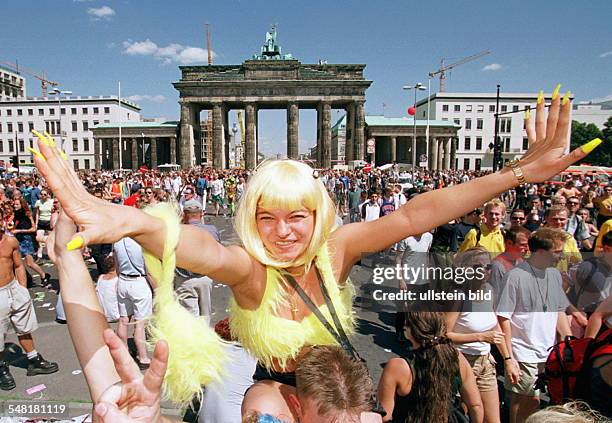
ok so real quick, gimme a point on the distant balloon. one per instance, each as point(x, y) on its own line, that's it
point(411, 111)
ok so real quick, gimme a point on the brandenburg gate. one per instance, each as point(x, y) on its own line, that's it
point(270, 80)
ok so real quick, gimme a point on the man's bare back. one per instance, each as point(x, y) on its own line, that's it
point(9, 259)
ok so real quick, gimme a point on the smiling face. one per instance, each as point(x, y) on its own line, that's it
point(494, 216)
point(285, 234)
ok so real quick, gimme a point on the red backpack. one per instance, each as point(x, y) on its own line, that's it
point(567, 370)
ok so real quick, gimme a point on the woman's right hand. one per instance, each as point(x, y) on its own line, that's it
point(492, 337)
point(99, 221)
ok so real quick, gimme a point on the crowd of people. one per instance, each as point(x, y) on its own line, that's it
point(301, 232)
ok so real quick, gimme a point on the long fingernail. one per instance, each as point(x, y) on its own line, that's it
point(555, 93)
point(541, 97)
point(591, 145)
point(40, 137)
point(566, 98)
point(64, 155)
point(50, 139)
point(527, 113)
point(37, 154)
point(75, 243)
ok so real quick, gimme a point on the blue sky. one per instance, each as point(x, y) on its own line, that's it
point(89, 45)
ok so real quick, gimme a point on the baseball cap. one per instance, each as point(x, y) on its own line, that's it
point(192, 206)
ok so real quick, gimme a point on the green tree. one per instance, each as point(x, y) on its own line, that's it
point(583, 132)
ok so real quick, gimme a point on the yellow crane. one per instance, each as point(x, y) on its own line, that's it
point(44, 82)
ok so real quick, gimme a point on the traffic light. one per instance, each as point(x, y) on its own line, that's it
point(14, 161)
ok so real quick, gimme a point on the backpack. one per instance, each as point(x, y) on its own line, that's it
point(567, 370)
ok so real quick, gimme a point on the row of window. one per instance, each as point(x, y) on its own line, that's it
point(51, 111)
point(51, 126)
point(480, 108)
point(75, 145)
point(75, 163)
point(468, 123)
point(467, 144)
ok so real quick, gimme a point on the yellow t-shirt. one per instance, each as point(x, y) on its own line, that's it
point(491, 240)
point(571, 255)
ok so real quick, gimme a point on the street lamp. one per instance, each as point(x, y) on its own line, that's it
point(59, 94)
point(416, 87)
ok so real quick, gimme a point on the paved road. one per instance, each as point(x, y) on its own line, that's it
point(374, 340)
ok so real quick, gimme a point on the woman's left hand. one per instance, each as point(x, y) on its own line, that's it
point(549, 140)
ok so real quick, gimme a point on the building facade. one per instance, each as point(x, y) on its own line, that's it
point(69, 118)
point(475, 114)
point(597, 113)
point(12, 84)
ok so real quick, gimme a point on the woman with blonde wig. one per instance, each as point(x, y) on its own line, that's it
point(285, 222)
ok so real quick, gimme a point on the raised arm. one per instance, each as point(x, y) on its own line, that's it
point(546, 157)
point(102, 222)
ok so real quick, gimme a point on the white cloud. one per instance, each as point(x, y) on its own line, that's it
point(177, 53)
point(103, 12)
point(601, 99)
point(152, 98)
point(606, 54)
point(492, 67)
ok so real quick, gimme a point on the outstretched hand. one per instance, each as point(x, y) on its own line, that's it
point(99, 221)
point(136, 398)
point(549, 139)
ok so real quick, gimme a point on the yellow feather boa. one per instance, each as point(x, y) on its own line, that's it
point(197, 353)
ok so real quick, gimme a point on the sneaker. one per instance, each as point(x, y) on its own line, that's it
point(6, 378)
point(40, 366)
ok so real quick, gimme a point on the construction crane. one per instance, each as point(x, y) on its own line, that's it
point(44, 82)
point(444, 68)
point(208, 45)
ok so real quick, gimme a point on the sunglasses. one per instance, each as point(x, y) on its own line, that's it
point(517, 218)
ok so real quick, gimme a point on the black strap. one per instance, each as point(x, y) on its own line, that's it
point(337, 332)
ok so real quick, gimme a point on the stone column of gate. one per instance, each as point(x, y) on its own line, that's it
point(319, 143)
point(217, 136)
point(441, 154)
point(349, 143)
point(115, 153)
point(97, 155)
point(250, 149)
point(359, 130)
point(293, 121)
point(453, 153)
point(226, 137)
point(393, 149)
point(187, 135)
point(326, 135)
point(172, 141)
point(447, 153)
point(134, 153)
point(433, 151)
point(153, 149)
point(197, 132)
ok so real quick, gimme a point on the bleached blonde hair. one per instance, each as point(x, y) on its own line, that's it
point(286, 185)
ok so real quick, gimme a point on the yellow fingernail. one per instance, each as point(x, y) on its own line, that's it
point(527, 113)
point(541, 97)
point(566, 98)
point(40, 137)
point(555, 93)
point(64, 155)
point(37, 154)
point(75, 243)
point(591, 145)
point(50, 139)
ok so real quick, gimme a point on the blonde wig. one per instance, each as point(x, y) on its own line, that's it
point(285, 185)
